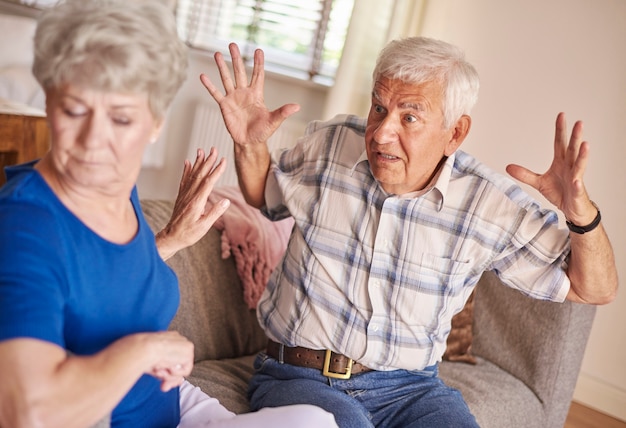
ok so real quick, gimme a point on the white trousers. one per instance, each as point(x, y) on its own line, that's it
point(198, 410)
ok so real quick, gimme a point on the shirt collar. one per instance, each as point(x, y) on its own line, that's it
point(436, 189)
point(362, 158)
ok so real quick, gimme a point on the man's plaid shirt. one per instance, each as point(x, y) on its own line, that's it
point(378, 277)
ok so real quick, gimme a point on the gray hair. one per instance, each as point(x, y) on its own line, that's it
point(129, 46)
point(418, 60)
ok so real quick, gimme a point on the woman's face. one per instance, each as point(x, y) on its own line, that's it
point(98, 138)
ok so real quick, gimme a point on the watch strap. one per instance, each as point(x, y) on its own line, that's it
point(588, 228)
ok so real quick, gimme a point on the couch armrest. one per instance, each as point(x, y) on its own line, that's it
point(212, 311)
point(540, 343)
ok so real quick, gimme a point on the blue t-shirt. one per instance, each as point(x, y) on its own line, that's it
point(62, 283)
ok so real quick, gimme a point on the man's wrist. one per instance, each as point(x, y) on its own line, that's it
point(587, 228)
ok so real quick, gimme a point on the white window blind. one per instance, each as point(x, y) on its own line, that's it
point(303, 39)
point(33, 3)
point(27, 8)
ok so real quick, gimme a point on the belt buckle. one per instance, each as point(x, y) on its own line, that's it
point(326, 369)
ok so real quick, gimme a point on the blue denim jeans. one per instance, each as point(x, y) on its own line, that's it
point(399, 398)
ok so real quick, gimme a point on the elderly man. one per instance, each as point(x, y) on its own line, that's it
point(394, 226)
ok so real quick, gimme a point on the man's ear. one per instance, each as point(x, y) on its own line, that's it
point(459, 131)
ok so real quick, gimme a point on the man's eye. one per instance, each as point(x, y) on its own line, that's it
point(410, 118)
point(379, 109)
point(119, 120)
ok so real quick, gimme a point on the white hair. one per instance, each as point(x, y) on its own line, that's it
point(112, 45)
point(418, 60)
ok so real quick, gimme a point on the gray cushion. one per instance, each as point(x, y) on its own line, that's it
point(488, 390)
point(225, 379)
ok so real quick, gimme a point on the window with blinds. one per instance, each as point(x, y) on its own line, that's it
point(302, 39)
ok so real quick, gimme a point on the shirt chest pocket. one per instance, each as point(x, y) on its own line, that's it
point(426, 289)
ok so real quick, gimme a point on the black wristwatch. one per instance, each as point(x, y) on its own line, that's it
point(584, 229)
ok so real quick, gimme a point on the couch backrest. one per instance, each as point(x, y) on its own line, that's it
point(212, 312)
point(541, 343)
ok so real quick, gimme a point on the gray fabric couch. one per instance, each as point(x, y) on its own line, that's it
point(528, 352)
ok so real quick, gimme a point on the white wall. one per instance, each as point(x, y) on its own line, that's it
point(536, 58)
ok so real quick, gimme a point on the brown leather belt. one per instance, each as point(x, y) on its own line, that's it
point(331, 364)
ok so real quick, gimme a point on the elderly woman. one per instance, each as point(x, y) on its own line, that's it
point(85, 296)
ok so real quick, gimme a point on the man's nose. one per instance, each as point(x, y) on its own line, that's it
point(387, 131)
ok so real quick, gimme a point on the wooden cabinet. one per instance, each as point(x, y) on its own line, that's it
point(24, 134)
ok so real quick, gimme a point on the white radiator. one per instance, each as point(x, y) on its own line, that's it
point(209, 131)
